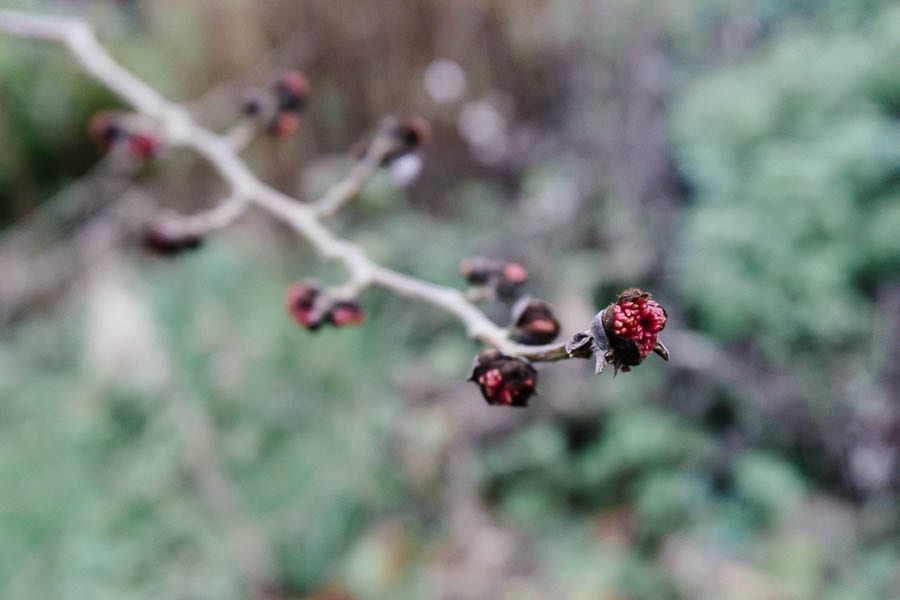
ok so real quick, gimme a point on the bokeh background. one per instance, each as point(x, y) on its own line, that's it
point(167, 432)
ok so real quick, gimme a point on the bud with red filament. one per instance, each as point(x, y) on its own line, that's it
point(288, 100)
point(504, 380)
point(534, 322)
point(303, 301)
point(631, 326)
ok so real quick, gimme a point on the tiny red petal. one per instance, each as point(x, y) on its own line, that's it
point(143, 145)
point(515, 273)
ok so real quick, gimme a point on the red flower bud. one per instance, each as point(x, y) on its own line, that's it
point(512, 277)
point(504, 380)
point(285, 124)
point(632, 325)
point(166, 240)
point(143, 145)
point(346, 312)
point(506, 279)
point(534, 322)
point(303, 301)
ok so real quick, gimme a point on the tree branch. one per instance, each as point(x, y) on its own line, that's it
point(180, 129)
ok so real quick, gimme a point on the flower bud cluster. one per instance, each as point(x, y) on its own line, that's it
point(279, 108)
point(110, 131)
point(311, 307)
point(503, 280)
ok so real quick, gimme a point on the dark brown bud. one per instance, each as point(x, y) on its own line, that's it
point(409, 134)
point(252, 103)
point(478, 270)
point(412, 132)
point(512, 277)
point(534, 322)
point(105, 130)
point(291, 92)
point(167, 240)
point(346, 312)
point(303, 302)
point(504, 380)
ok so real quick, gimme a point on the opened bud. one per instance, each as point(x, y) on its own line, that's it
point(534, 322)
point(504, 380)
point(346, 312)
point(624, 333)
point(166, 239)
point(303, 302)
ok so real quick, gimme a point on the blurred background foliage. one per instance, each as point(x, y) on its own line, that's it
point(166, 432)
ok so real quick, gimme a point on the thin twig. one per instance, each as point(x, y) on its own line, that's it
point(224, 214)
point(336, 197)
point(180, 129)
